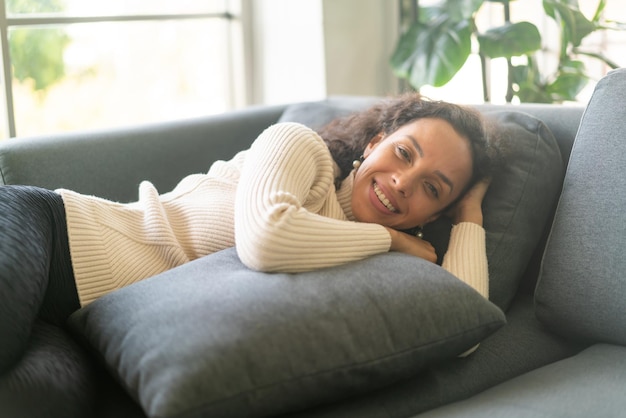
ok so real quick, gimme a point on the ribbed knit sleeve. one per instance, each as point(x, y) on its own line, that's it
point(466, 257)
point(287, 217)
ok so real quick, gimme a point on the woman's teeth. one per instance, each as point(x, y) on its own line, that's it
point(383, 199)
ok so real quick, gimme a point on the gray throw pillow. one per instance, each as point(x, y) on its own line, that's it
point(319, 113)
point(582, 286)
point(520, 200)
point(213, 338)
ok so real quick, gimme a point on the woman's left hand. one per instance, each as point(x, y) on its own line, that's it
point(469, 208)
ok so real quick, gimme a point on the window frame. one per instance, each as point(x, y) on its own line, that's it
point(42, 20)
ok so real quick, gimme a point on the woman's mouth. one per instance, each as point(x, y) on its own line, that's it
point(383, 199)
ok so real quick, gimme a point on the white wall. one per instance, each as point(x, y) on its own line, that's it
point(287, 54)
point(309, 49)
point(359, 38)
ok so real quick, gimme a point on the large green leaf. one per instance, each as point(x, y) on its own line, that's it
point(528, 84)
point(574, 23)
point(459, 10)
point(520, 74)
point(510, 40)
point(432, 53)
point(531, 93)
point(569, 81)
point(567, 86)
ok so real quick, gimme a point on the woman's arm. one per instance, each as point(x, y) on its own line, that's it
point(412, 245)
point(466, 257)
point(287, 217)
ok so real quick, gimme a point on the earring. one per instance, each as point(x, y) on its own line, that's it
point(357, 163)
point(419, 233)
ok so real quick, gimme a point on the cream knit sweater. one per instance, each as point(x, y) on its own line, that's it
point(276, 202)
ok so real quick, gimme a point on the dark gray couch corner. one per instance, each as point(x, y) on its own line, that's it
point(561, 353)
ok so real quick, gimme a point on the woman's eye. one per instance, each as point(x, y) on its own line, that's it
point(404, 153)
point(433, 190)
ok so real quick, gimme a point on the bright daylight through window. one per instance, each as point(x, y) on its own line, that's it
point(89, 64)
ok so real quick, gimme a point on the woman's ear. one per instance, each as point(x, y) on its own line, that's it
point(373, 144)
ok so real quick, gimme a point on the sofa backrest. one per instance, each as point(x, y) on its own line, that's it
point(581, 291)
point(112, 163)
point(562, 120)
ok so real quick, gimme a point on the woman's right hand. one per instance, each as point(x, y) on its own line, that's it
point(469, 208)
point(412, 245)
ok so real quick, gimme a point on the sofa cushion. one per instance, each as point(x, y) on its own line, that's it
point(213, 338)
point(522, 345)
point(318, 113)
point(589, 384)
point(520, 200)
point(54, 378)
point(582, 286)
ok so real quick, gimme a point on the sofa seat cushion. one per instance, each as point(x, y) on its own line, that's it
point(520, 200)
point(213, 338)
point(589, 384)
point(53, 379)
point(582, 286)
point(520, 346)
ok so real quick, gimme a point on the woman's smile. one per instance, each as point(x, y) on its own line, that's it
point(383, 199)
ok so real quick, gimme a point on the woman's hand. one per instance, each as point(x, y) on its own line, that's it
point(409, 244)
point(469, 208)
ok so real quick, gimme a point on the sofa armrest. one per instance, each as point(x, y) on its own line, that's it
point(111, 163)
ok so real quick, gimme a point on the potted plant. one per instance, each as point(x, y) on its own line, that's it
point(438, 40)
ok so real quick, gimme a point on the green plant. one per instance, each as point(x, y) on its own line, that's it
point(37, 53)
point(438, 41)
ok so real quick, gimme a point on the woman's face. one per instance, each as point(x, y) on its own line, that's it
point(410, 176)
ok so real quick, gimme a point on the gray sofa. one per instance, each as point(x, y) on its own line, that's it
point(379, 338)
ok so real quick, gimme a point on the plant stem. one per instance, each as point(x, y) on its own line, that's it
point(483, 66)
point(509, 83)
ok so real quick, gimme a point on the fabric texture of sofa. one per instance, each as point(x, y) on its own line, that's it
point(372, 339)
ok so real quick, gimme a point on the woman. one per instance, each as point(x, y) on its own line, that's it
point(292, 202)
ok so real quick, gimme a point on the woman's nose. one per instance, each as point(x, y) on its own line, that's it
point(404, 183)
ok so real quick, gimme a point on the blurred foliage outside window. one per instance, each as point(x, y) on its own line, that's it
point(34, 6)
point(37, 55)
point(74, 75)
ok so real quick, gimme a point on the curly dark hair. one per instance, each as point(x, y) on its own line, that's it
point(348, 137)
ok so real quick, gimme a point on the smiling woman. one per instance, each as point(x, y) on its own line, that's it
point(418, 159)
point(276, 202)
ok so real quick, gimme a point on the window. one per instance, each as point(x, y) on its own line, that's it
point(89, 64)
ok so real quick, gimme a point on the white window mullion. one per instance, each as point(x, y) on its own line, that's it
point(7, 73)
